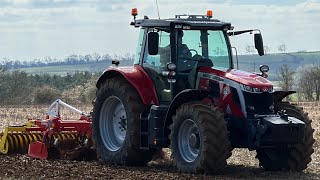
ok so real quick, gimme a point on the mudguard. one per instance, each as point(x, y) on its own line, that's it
point(278, 96)
point(137, 77)
point(184, 96)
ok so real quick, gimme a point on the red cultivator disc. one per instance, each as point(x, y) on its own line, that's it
point(38, 150)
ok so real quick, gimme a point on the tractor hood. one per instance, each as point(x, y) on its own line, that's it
point(242, 77)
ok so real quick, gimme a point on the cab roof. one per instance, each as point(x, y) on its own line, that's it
point(187, 21)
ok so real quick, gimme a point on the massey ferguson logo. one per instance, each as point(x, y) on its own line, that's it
point(265, 89)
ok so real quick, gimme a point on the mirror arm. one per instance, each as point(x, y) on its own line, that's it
point(235, 33)
point(236, 56)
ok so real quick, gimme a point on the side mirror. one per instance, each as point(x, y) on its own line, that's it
point(258, 42)
point(153, 43)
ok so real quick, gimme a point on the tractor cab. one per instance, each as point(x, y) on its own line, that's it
point(173, 50)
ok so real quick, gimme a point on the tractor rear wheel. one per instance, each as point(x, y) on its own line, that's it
point(293, 158)
point(199, 138)
point(116, 124)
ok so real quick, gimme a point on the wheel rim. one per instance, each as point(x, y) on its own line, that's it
point(113, 123)
point(189, 140)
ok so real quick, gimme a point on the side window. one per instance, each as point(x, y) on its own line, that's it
point(139, 47)
point(218, 51)
point(163, 57)
point(192, 41)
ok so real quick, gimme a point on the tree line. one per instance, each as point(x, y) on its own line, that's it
point(125, 59)
point(18, 87)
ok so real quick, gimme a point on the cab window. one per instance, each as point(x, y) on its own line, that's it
point(163, 57)
point(139, 47)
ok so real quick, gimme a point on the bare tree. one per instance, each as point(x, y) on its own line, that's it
point(106, 57)
point(305, 83)
point(266, 49)
point(72, 59)
point(309, 82)
point(2, 68)
point(286, 77)
point(249, 49)
point(315, 74)
point(282, 48)
point(88, 58)
point(128, 57)
point(96, 57)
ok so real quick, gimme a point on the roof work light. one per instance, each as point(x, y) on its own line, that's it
point(134, 12)
point(209, 13)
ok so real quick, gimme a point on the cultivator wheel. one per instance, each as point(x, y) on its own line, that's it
point(19, 142)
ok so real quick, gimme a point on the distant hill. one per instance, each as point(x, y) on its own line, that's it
point(275, 61)
point(64, 69)
point(246, 62)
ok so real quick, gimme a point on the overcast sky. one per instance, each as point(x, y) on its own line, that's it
point(38, 28)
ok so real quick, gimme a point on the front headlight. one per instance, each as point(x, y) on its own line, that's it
point(171, 66)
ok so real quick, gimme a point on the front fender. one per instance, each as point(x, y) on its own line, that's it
point(137, 77)
point(278, 96)
point(184, 96)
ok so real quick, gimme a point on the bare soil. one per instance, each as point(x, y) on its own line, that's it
point(241, 165)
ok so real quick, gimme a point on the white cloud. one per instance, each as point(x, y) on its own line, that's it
point(38, 28)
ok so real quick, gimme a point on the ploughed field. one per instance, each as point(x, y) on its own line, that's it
point(241, 165)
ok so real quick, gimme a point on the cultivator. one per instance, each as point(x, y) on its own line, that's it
point(37, 136)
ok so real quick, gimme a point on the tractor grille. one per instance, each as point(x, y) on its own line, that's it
point(260, 101)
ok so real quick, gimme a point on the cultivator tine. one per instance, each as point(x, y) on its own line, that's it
point(63, 137)
point(26, 142)
point(20, 142)
point(15, 142)
point(39, 137)
point(73, 136)
point(38, 150)
point(10, 143)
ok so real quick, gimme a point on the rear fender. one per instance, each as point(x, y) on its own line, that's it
point(278, 96)
point(184, 96)
point(137, 77)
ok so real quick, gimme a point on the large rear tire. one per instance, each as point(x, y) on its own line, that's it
point(199, 139)
point(293, 158)
point(116, 124)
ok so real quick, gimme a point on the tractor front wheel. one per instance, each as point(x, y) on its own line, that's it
point(295, 157)
point(116, 124)
point(199, 138)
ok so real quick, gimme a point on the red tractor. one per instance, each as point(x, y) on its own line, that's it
point(184, 93)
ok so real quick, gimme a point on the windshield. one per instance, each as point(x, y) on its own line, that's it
point(207, 45)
